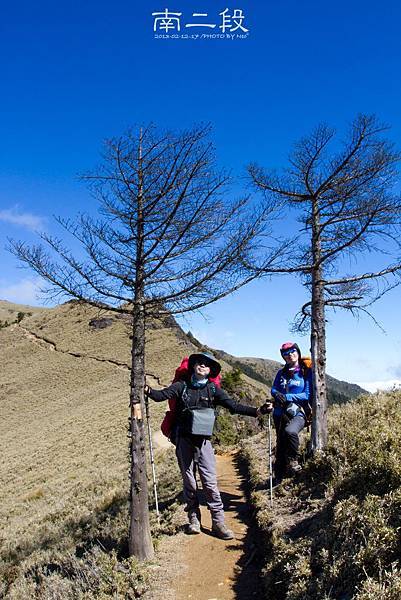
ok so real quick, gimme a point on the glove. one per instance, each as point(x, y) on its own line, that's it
point(266, 408)
point(281, 399)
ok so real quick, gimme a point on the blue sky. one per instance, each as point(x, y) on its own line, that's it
point(76, 73)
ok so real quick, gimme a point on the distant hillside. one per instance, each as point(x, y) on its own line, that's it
point(264, 370)
point(9, 311)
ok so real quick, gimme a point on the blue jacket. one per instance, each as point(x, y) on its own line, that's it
point(294, 387)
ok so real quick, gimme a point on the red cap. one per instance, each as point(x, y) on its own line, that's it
point(288, 345)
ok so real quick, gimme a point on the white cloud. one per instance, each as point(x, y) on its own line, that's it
point(14, 216)
point(25, 291)
point(374, 386)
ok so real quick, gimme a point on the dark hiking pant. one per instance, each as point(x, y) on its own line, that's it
point(202, 453)
point(287, 444)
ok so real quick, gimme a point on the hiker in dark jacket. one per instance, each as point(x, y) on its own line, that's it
point(292, 392)
point(196, 400)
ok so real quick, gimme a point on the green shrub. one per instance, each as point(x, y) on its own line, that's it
point(231, 380)
point(226, 431)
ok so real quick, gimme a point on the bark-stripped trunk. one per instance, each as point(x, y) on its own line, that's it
point(318, 341)
point(140, 540)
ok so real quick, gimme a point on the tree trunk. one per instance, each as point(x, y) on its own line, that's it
point(140, 540)
point(318, 349)
point(318, 339)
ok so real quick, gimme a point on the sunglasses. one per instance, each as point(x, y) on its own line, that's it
point(203, 363)
point(290, 351)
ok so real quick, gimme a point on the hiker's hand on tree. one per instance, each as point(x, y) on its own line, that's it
point(147, 390)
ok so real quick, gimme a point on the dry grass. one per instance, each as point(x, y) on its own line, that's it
point(64, 451)
point(334, 531)
point(64, 457)
point(9, 311)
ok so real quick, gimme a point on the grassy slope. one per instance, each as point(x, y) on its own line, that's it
point(63, 447)
point(335, 531)
point(63, 428)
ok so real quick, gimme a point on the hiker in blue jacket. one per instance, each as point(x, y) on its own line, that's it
point(292, 393)
point(196, 400)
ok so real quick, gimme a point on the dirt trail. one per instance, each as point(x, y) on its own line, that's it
point(52, 347)
point(216, 569)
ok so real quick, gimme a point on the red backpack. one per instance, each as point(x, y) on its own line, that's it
point(181, 374)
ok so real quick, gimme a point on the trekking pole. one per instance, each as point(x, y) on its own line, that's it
point(270, 460)
point(152, 458)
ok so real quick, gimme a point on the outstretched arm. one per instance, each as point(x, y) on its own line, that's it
point(223, 399)
point(172, 391)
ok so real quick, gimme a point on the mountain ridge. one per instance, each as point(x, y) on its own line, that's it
point(259, 369)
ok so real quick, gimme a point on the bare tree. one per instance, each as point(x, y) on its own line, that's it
point(343, 198)
point(167, 241)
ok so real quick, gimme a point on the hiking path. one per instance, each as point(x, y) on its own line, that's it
point(207, 568)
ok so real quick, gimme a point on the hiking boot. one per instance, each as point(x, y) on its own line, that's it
point(194, 526)
point(294, 467)
point(221, 531)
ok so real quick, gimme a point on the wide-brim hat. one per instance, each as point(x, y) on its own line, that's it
point(215, 366)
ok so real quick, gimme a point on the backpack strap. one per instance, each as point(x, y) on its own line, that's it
point(184, 393)
point(211, 390)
